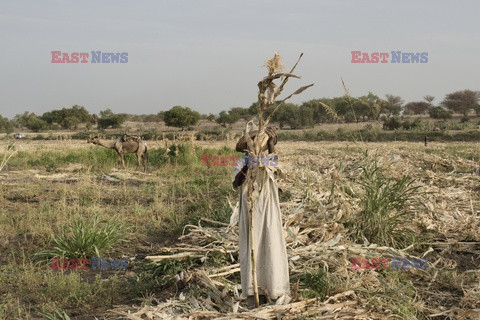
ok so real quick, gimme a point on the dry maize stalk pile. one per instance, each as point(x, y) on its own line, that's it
point(323, 182)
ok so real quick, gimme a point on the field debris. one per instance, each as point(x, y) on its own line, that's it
point(319, 241)
point(320, 196)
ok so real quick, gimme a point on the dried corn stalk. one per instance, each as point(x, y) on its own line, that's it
point(266, 97)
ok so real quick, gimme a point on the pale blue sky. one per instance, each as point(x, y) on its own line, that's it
point(208, 54)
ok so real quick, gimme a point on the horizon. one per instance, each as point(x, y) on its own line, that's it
point(208, 55)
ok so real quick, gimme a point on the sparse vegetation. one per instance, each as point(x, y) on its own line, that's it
point(58, 188)
point(384, 201)
point(82, 239)
point(57, 315)
point(317, 283)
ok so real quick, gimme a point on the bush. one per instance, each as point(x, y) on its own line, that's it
point(36, 124)
point(209, 133)
point(83, 239)
point(38, 137)
point(150, 135)
point(317, 284)
point(169, 136)
point(181, 117)
point(68, 118)
point(82, 135)
point(392, 123)
point(6, 125)
point(350, 117)
point(384, 205)
point(114, 121)
point(440, 113)
point(183, 154)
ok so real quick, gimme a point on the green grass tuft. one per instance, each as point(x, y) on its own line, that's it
point(84, 239)
point(317, 283)
point(384, 202)
point(57, 315)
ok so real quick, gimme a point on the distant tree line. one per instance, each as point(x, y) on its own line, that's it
point(307, 114)
point(65, 118)
point(365, 108)
point(6, 125)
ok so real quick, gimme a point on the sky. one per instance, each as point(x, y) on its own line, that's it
point(208, 54)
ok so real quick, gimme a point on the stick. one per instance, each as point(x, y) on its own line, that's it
point(174, 256)
point(215, 222)
point(225, 273)
point(251, 201)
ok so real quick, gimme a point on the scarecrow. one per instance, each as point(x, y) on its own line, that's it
point(269, 242)
point(262, 251)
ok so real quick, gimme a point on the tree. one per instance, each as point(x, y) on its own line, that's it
point(320, 113)
point(253, 109)
point(419, 107)
point(393, 105)
point(109, 119)
point(161, 115)
point(181, 117)
point(68, 118)
point(288, 114)
point(106, 113)
point(36, 124)
point(375, 105)
point(240, 112)
point(342, 105)
point(30, 121)
point(429, 99)
point(71, 122)
point(462, 101)
point(356, 109)
point(361, 108)
point(440, 113)
point(5, 125)
point(306, 114)
point(385, 108)
point(225, 118)
point(392, 123)
point(365, 107)
point(21, 120)
point(211, 117)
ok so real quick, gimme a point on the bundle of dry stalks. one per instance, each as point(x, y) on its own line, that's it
point(266, 97)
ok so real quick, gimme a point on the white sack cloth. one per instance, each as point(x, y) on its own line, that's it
point(270, 250)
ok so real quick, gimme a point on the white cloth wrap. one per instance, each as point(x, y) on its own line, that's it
point(270, 249)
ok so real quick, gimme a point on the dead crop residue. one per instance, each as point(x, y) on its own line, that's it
point(322, 197)
point(323, 182)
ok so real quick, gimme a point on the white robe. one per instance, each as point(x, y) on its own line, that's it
point(270, 249)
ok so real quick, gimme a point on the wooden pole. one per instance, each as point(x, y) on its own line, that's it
point(252, 175)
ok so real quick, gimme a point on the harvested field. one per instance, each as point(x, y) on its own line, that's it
point(175, 229)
